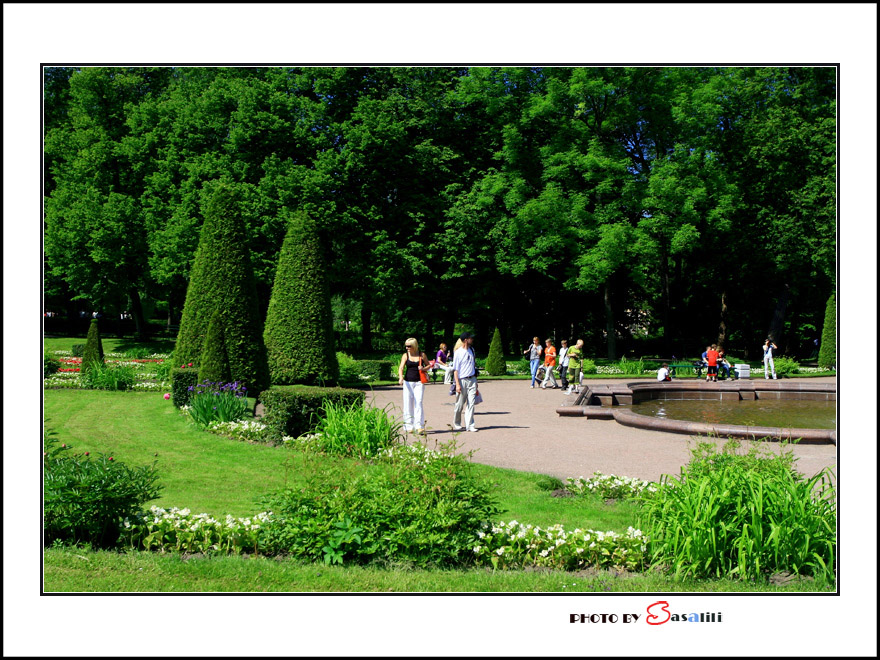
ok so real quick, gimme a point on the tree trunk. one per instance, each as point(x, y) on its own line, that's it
point(137, 312)
point(611, 337)
point(669, 334)
point(777, 323)
point(722, 326)
point(366, 334)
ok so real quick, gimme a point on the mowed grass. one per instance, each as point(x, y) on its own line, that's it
point(216, 475)
point(212, 474)
point(79, 570)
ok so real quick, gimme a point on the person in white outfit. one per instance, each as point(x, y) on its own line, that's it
point(769, 347)
point(464, 370)
point(412, 364)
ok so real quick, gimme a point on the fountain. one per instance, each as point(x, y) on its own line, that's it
point(613, 402)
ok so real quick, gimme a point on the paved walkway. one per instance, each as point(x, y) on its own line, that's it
point(519, 429)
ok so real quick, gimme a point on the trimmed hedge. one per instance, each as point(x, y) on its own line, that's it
point(299, 322)
point(828, 347)
point(222, 280)
point(496, 365)
point(214, 366)
point(293, 410)
point(375, 369)
point(77, 350)
point(93, 353)
point(181, 381)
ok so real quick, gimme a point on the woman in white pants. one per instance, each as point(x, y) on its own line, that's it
point(769, 347)
point(412, 364)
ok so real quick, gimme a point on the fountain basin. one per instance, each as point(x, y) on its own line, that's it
point(609, 401)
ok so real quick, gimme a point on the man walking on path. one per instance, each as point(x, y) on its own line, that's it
point(464, 372)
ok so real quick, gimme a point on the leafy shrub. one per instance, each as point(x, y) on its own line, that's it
point(785, 367)
point(589, 367)
point(610, 486)
point(516, 545)
point(50, 365)
point(743, 516)
point(163, 370)
point(85, 499)
point(295, 410)
point(349, 370)
point(93, 353)
point(375, 369)
point(138, 353)
point(183, 382)
point(222, 280)
point(77, 350)
point(353, 430)
point(631, 367)
point(299, 323)
point(546, 482)
point(178, 530)
point(828, 344)
point(217, 402)
point(414, 506)
point(496, 365)
point(100, 376)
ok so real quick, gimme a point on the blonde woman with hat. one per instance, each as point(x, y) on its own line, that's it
point(412, 364)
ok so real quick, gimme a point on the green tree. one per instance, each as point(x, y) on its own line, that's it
point(214, 365)
point(93, 353)
point(96, 239)
point(495, 363)
point(222, 282)
point(828, 346)
point(299, 323)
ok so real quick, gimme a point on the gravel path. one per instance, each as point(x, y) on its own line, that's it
point(519, 429)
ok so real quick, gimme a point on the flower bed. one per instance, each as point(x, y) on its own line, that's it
point(514, 545)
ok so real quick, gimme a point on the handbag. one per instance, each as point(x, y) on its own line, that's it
point(478, 398)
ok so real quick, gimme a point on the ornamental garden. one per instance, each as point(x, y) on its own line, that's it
point(248, 446)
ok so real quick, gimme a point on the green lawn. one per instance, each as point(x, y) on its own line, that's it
point(216, 475)
point(78, 570)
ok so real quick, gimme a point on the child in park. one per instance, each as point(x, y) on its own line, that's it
point(663, 373)
point(712, 362)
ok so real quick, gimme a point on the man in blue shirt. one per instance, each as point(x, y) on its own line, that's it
point(464, 373)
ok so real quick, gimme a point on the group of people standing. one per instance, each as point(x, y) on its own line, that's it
point(570, 363)
point(460, 375)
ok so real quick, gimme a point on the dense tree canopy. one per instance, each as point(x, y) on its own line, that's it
point(644, 209)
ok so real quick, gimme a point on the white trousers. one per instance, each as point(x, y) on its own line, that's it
point(772, 367)
point(413, 393)
point(549, 377)
point(465, 400)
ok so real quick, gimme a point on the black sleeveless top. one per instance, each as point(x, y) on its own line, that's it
point(412, 370)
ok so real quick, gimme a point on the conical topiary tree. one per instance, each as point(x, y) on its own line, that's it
point(496, 365)
point(214, 365)
point(222, 281)
point(94, 350)
point(299, 323)
point(828, 347)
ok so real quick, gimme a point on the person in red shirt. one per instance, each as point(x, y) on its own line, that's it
point(712, 360)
